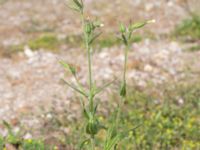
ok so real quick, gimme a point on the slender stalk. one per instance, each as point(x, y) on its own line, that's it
point(90, 97)
point(90, 79)
point(125, 62)
point(89, 66)
point(88, 48)
point(92, 143)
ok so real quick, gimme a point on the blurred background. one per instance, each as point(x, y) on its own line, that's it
point(163, 69)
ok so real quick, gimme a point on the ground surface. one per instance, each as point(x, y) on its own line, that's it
point(30, 80)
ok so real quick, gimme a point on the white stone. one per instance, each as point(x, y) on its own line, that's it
point(28, 52)
point(148, 68)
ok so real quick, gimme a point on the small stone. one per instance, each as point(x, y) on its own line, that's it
point(28, 52)
point(180, 101)
point(148, 68)
point(49, 116)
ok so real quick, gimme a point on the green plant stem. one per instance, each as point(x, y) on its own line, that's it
point(88, 48)
point(89, 66)
point(121, 103)
point(90, 97)
point(125, 62)
point(92, 143)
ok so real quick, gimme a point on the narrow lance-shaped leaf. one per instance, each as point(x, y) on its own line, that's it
point(103, 87)
point(84, 143)
point(138, 25)
point(69, 67)
point(85, 113)
point(141, 24)
point(78, 4)
point(73, 7)
point(124, 39)
point(74, 88)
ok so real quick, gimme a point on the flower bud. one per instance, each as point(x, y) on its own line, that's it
point(122, 28)
point(88, 28)
point(92, 126)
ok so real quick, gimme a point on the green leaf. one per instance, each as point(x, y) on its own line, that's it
point(12, 139)
point(7, 125)
point(69, 67)
point(78, 4)
point(112, 143)
point(123, 90)
point(74, 88)
point(83, 143)
point(85, 113)
point(138, 25)
point(124, 39)
point(74, 8)
point(95, 108)
point(103, 87)
point(96, 23)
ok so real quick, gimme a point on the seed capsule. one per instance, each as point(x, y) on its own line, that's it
point(123, 90)
point(92, 126)
point(88, 28)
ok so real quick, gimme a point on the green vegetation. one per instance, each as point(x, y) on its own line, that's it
point(1, 142)
point(29, 144)
point(110, 41)
point(48, 41)
point(193, 48)
point(33, 145)
point(189, 28)
point(171, 122)
point(102, 42)
point(2, 2)
point(115, 132)
point(15, 140)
